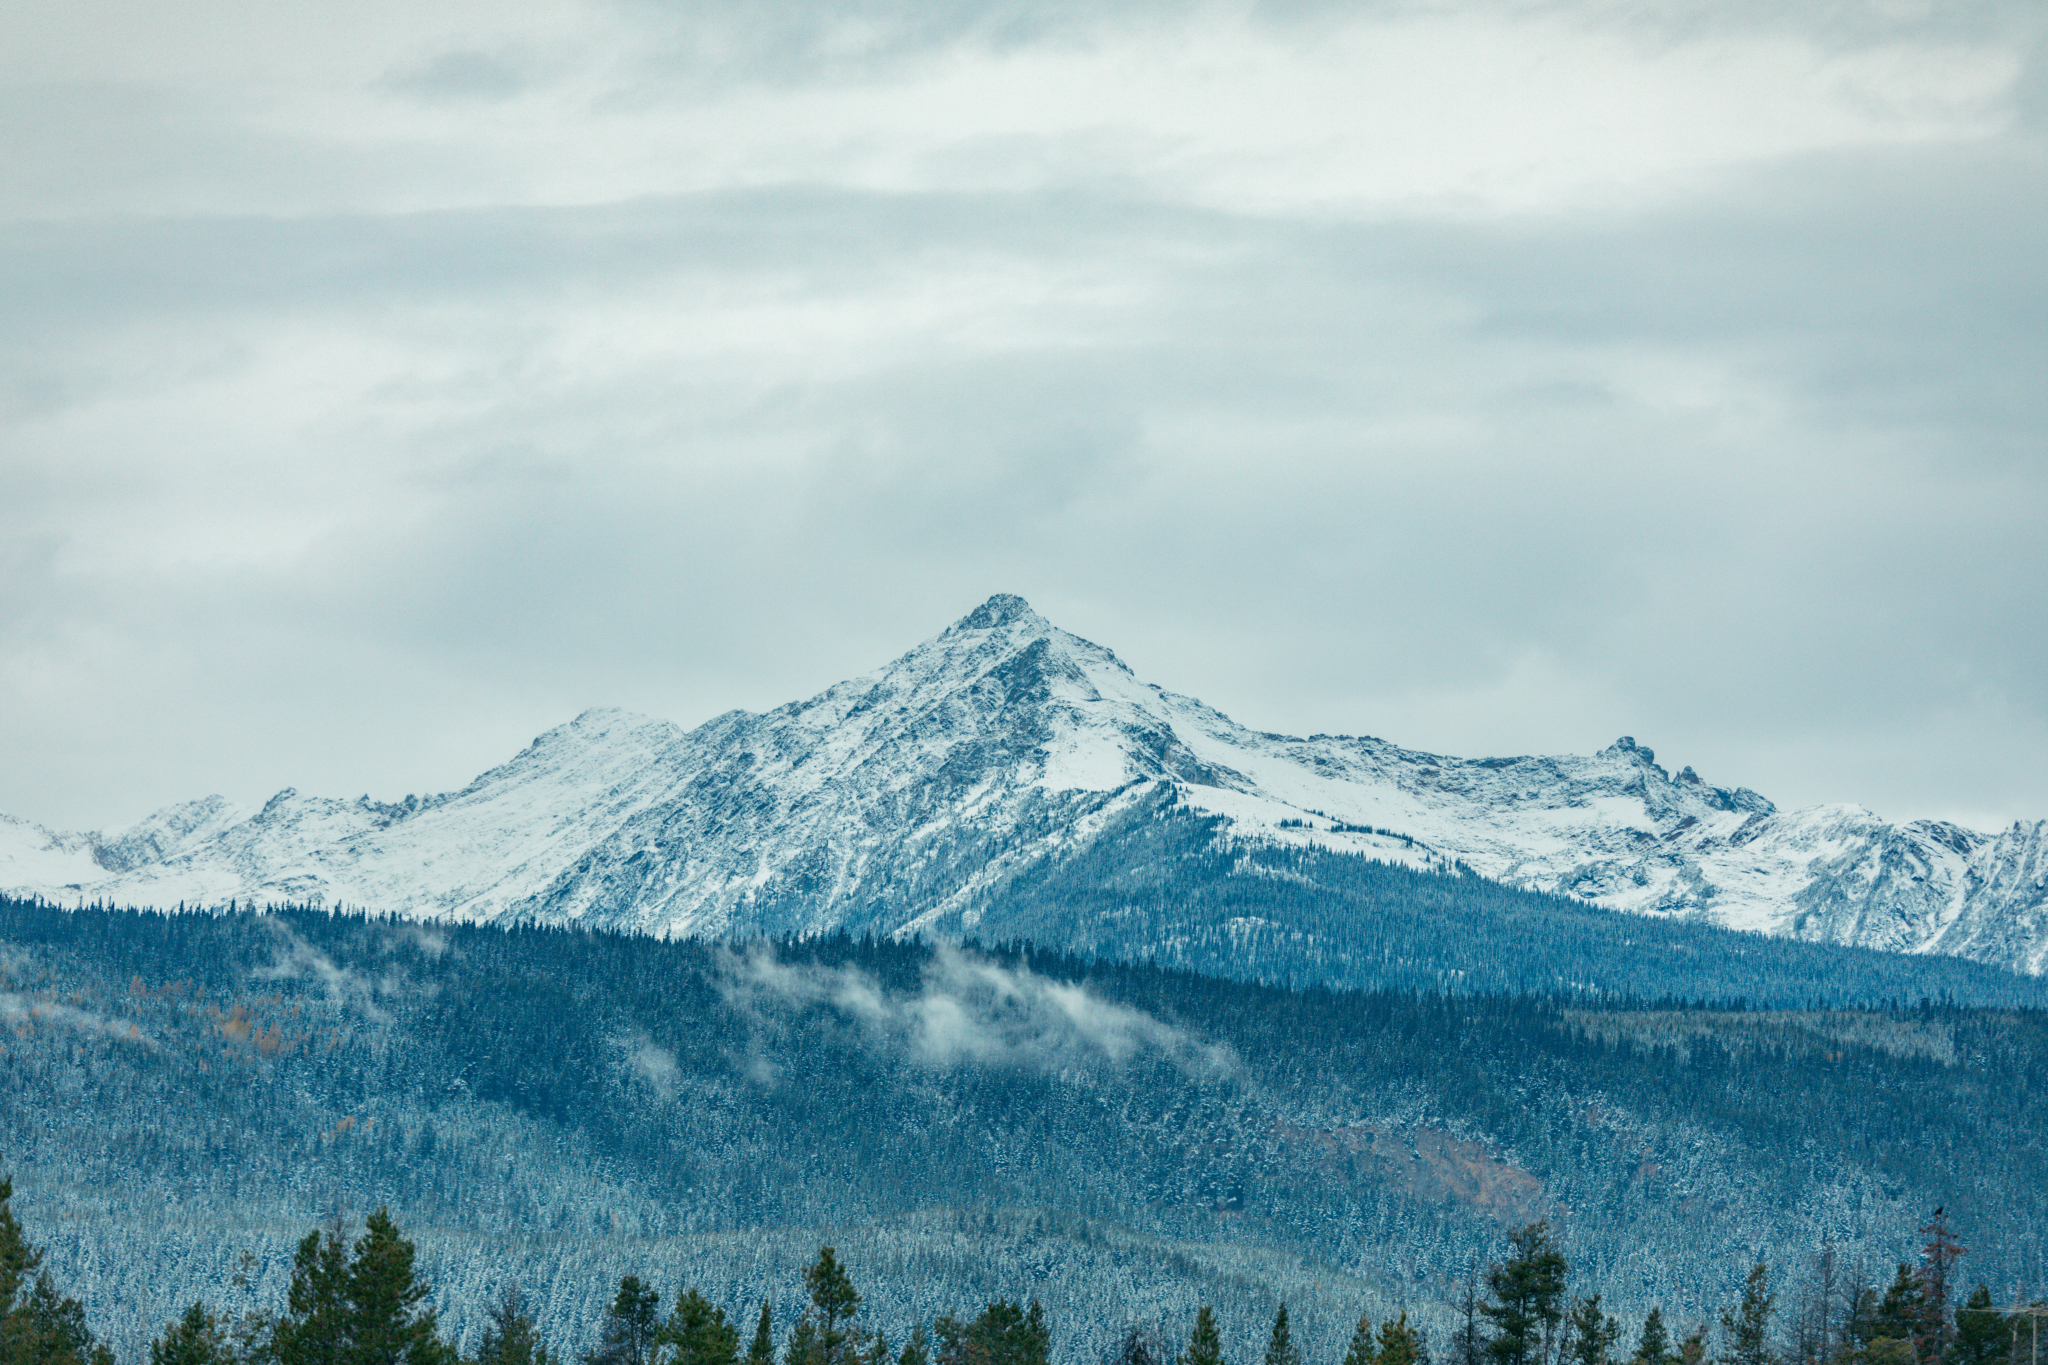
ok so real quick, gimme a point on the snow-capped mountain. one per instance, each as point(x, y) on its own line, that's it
point(901, 799)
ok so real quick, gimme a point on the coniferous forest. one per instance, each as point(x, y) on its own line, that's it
point(598, 1144)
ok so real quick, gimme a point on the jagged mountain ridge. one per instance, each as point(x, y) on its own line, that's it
point(901, 799)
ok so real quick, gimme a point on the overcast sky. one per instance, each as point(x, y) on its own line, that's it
point(384, 382)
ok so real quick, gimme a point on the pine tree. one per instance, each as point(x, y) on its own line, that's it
point(1693, 1350)
point(195, 1339)
point(1591, 1333)
point(762, 1351)
point(835, 1301)
point(510, 1337)
point(1653, 1347)
point(1983, 1335)
point(1362, 1351)
point(1898, 1321)
point(802, 1348)
point(314, 1328)
point(38, 1326)
point(1401, 1344)
point(1280, 1349)
point(917, 1350)
point(387, 1322)
point(1749, 1325)
point(1205, 1344)
point(1004, 1333)
point(699, 1334)
point(1139, 1347)
point(631, 1328)
point(1527, 1297)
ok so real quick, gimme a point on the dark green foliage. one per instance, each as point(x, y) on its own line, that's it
point(1362, 1350)
point(1401, 1344)
point(1590, 1334)
point(917, 1350)
point(632, 1328)
point(1901, 1312)
point(1138, 1347)
point(697, 1333)
point(509, 1338)
point(1280, 1347)
point(195, 1339)
point(1983, 1336)
point(389, 1324)
point(38, 1326)
point(1004, 1333)
point(762, 1350)
point(802, 1348)
point(1527, 1297)
point(834, 1302)
point(1653, 1347)
point(1205, 1344)
point(1748, 1324)
point(314, 1329)
point(361, 1309)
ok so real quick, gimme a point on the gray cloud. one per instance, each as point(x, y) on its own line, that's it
point(340, 455)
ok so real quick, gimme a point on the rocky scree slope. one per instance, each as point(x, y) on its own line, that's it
point(901, 800)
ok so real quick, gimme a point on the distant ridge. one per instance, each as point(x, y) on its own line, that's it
point(932, 793)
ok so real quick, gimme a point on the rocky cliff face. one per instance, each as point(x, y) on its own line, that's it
point(899, 799)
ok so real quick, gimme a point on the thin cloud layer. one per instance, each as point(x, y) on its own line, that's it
point(970, 1011)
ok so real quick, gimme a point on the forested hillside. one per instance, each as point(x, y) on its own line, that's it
point(1165, 883)
point(1115, 1139)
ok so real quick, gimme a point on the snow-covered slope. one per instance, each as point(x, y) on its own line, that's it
point(895, 799)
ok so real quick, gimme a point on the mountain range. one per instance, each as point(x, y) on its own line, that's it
point(913, 799)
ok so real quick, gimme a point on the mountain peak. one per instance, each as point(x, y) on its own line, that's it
point(1003, 609)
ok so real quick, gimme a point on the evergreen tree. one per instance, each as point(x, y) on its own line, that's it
point(1749, 1324)
point(509, 1338)
point(762, 1350)
point(314, 1328)
point(195, 1339)
point(699, 1334)
point(1899, 1318)
point(1653, 1347)
point(1362, 1351)
point(802, 1348)
point(1983, 1335)
point(1693, 1350)
point(1005, 1333)
point(1527, 1298)
point(1280, 1348)
point(1591, 1333)
point(1139, 1347)
point(1205, 1344)
point(1401, 1344)
point(835, 1301)
point(38, 1326)
point(387, 1322)
point(631, 1329)
point(917, 1350)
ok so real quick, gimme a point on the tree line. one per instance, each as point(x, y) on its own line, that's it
point(361, 1301)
